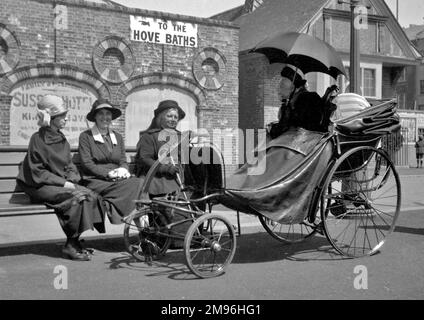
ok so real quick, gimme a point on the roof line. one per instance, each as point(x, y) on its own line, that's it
point(314, 17)
point(136, 11)
point(226, 11)
point(393, 23)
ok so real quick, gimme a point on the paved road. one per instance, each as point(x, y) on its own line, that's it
point(262, 269)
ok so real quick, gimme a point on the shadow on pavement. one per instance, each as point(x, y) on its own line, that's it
point(261, 247)
point(54, 248)
point(419, 231)
point(251, 248)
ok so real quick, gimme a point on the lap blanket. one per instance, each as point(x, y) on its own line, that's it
point(295, 162)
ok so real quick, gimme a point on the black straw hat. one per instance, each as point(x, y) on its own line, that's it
point(103, 104)
point(169, 104)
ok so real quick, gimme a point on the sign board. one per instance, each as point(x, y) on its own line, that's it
point(23, 109)
point(153, 30)
point(411, 125)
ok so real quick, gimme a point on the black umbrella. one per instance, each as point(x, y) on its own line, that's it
point(307, 53)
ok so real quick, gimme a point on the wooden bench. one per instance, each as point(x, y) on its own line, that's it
point(13, 201)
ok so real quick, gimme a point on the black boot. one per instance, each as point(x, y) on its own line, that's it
point(71, 251)
point(82, 248)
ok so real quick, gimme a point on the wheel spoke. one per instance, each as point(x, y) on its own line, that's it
point(363, 197)
point(219, 249)
point(287, 233)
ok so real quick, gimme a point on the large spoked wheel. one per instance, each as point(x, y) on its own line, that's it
point(288, 233)
point(209, 251)
point(360, 202)
point(145, 234)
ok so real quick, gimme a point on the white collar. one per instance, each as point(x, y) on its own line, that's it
point(99, 138)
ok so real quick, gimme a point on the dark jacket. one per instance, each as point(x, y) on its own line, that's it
point(419, 146)
point(96, 160)
point(305, 110)
point(148, 148)
point(48, 161)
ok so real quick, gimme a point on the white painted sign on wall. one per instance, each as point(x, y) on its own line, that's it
point(153, 30)
point(23, 109)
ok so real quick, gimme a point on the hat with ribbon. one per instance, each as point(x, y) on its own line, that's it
point(103, 104)
point(48, 107)
point(169, 104)
point(295, 75)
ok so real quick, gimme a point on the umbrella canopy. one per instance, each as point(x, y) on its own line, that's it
point(303, 51)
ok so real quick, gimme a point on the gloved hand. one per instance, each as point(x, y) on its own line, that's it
point(123, 173)
point(79, 195)
point(118, 174)
point(112, 175)
point(330, 93)
point(69, 185)
point(83, 193)
point(169, 169)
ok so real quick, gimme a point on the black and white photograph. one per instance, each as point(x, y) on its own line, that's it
point(211, 157)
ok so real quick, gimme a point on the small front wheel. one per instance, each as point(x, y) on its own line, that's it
point(145, 234)
point(209, 250)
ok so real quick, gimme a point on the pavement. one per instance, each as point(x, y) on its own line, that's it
point(32, 230)
point(31, 266)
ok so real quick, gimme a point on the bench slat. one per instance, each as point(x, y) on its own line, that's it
point(25, 208)
point(14, 198)
point(30, 212)
point(8, 171)
point(8, 186)
point(11, 157)
point(13, 202)
point(14, 158)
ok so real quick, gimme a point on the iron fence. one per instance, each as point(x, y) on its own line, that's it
point(396, 145)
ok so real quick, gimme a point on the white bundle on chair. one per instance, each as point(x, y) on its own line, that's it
point(349, 104)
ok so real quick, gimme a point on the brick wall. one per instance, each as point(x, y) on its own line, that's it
point(88, 24)
point(252, 90)
point(4, 118)
point(272, 99)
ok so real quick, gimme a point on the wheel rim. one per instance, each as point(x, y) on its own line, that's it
point(140, 238)
point(288, 233)
point(209, 252)
point(360, 207)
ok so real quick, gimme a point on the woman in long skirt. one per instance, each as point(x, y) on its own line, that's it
point(104, 165)
point(48, 175)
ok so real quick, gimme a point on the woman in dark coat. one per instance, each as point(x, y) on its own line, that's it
point(104, 165)
point(162, 134)
point(161, 131)
point(300, 107)
point(48, 175)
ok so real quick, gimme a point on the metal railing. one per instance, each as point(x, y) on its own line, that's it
point(396, 145)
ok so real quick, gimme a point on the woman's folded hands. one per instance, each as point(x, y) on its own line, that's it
point(118, 174)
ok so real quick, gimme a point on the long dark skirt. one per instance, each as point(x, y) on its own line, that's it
point(162, 185)
point(118, 195)
point(75, 215)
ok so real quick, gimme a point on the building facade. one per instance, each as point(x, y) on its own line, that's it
point(84, 50)
point(387, 60)
point(415, 33)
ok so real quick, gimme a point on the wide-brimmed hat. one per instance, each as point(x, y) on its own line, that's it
point(103, 104)
point(48, 107)
point(294, 75)
point(169, 104)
